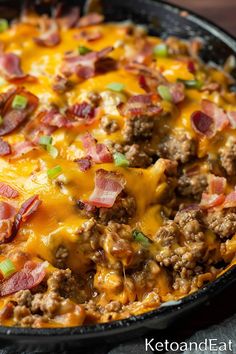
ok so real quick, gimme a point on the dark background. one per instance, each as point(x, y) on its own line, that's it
point(222, 12)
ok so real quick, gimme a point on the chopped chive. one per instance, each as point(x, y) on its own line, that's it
point(84, 50)
point(191, 83)
point(120, 160)
point(45, 140)
point(161, 50)
point(116, 86)
point(3, 25)
point(141, 238)
point(54, 172)
point(164, 92)
point(7, 268)
point(52, 150)
point(19, 102)
point(1, 120)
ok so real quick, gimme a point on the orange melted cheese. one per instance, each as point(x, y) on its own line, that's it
point(57, 221)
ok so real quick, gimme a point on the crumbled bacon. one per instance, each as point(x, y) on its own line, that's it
point(7, 191)
point(108, 186)
point(88, 65)
point(22, 148)
point(211, 200)
point(25, 211)
point(31, 275)
point(54, 118)
point(61, 84)
point(10, 69)
point(90, 20)
point(5, 148)
point(82, 110)
point(89, 36)
point(50, 36)
point(7, 213)
point(202, 123)
point(232, 118)
point(84, 163)
point(230, 200)
point(217, 185)
point(140, 105)
point(12, 118)
point(98, 152)
point(217, 114)
point(177, 92)
point(67, 17)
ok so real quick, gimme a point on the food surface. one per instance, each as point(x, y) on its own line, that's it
point(117, 170)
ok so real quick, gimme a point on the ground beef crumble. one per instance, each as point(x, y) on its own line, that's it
point(228, 157)
point(222, 222)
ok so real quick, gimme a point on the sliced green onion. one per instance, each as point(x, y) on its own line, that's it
point(52, 150)
point(1, 120)
point(3, 25)
point(161, 50)
point(141, 238)
point(164, 92)
point(19, 102)
point(7, 268)
point(116, 86)
point(120, 160)
point(45, 140)
point(191, 83)
point(54, 172)
point(84, 50)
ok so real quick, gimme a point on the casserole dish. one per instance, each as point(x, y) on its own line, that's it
point(165, 25)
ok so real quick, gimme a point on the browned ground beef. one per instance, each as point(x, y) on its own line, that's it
point(138, 128)
point(192, 186)
point(137, 156)
point(222, 222)
point(180, 148)
point(109, 125)
point(228, 157)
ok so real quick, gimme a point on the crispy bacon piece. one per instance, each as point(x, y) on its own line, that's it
point(88, 65)
point(217, 114)
point(230, 200)
point(90, 20)
point(217, 185)
point(5, 148)
point(145, 52)
point(12, 118)
point(7, 191)
point(22, 148)
point(211, 200)
point(177, 92)
point(7, 213)
point(202, 124)
point(10, 69)
point(61, 84)
point(89, 36)
point(67, 17)
point(82, 110)
point(140, 105)
point(54, 118)
point(98, 152)
point(50, 36)
point(108, 186)
point(31, 275)
point(232, 118)
point(84, 163)
point(25, 211)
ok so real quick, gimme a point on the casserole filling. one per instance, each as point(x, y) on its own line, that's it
point(117, 170)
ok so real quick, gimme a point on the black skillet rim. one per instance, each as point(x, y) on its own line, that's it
point(165, 311)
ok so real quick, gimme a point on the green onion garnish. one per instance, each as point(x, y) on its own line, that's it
point(116, 86)
point(164, 92)
point(19, 102)
point(3, 25)
point(161, 50)
point(120, 160)
point(83, 50)
point(191, 83)
point(54, 172)
point(1, 120)
point(141, 238)
point(45, 140)
point(52, 150)
point(7, 268)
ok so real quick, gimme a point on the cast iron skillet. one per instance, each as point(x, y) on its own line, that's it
point(164, 20)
